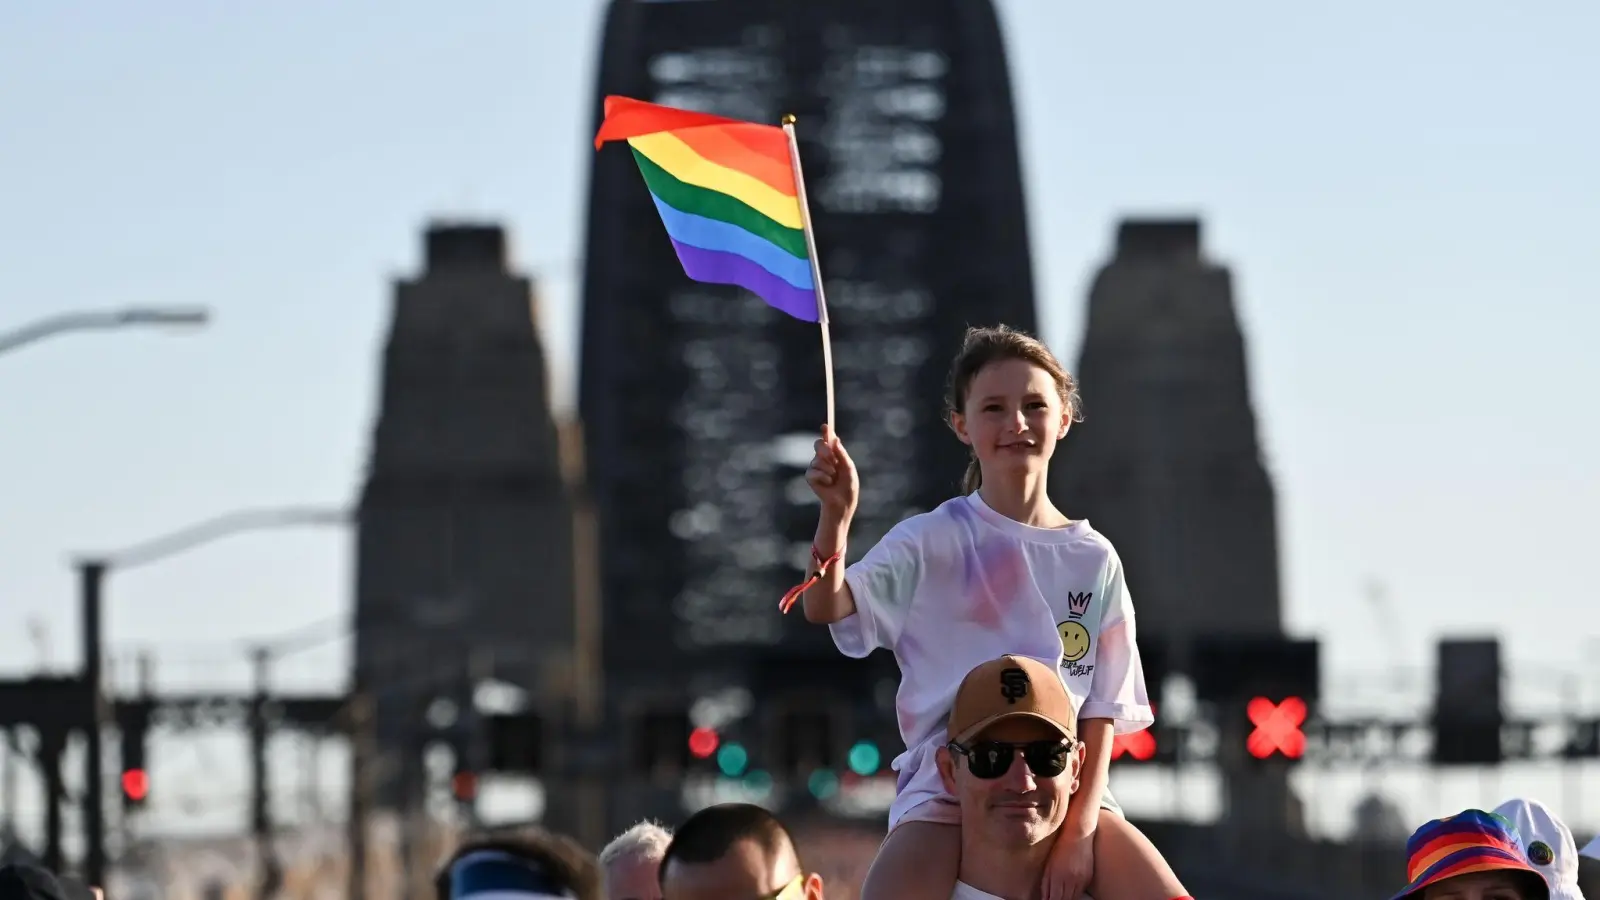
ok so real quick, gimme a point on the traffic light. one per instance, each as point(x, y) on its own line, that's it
point(703, 743)
point(465, 771)
point(1276, 727)
point(661, 742)
point(1467, 710)
point(733, 759)
point(865, 759)
point(805, 742)
point(1266, 687)
point(1226, 670)
point(516, 743)
point(464, 785)
point(1136, 746)
point(135, 787)
point(1155, 659)
point(134, 725)
point(823, 784)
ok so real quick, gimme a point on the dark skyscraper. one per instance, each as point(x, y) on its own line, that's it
point(700, 402)
point(465, 558)
point(1167, 463)
point(1168, 466)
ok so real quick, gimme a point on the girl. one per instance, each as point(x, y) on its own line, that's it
point(997, 571)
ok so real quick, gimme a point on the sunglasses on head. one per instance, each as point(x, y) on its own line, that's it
point(992, 759)
point(500, 874)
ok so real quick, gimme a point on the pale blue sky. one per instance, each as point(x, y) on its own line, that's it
point(1407, 194)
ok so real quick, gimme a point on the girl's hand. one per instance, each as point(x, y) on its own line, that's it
point(1070, 866)
point(833, 477)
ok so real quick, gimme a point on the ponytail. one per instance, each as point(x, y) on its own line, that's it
point(973, 479)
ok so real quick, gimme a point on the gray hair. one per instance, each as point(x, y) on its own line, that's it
point(645, 842)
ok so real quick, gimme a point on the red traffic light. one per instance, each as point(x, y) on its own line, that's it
point(1277, 727)
point(1138, 745)
point(135, 785)
point(703, 742)
point(464, 785)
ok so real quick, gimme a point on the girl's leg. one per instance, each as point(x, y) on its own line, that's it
point(1127, 866)
point(918, 861)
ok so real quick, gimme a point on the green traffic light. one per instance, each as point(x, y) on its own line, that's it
point(758, 780)
point(823, 784)
point(732, 759)
point(865, 758)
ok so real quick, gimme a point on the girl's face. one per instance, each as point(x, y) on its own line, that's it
point(1478, 886)
point(1012, 418)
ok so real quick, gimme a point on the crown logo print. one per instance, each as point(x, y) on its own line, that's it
point(1078, 604)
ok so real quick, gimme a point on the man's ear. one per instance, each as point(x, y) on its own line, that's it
point(1079, 753)
point(947, 769)
point(813, 887)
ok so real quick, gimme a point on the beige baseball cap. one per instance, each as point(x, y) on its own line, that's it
point(1009, 687)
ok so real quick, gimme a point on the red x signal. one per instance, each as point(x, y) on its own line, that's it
point(1138, 745)
point(1277, 728)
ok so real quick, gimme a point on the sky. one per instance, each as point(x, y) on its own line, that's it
point(1405, 196)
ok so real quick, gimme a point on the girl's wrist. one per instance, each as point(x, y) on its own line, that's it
point(1082, 824)
point(833, 528)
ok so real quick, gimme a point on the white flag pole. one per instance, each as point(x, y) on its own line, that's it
point(816, 265)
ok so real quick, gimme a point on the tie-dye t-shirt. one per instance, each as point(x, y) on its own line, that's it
point(963, 584)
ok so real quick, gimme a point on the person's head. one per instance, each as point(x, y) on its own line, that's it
point(630, 865)
point(533, 864)
point(1548, 844)
point(735, 851)
point(1009, 400)
point(1473, 855)
point(1013, 758)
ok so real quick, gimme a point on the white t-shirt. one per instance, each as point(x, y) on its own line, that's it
point(963, 584)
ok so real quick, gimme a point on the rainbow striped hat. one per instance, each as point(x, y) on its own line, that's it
point(1471, 841)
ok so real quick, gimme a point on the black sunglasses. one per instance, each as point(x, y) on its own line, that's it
point(992, 759)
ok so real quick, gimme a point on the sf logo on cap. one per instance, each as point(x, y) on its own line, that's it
point(1013, 684)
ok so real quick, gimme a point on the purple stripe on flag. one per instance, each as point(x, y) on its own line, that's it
point(715, 267)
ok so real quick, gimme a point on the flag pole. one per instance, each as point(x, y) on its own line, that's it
point(816, 265)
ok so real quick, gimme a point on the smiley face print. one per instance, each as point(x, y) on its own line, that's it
point(1074, 640)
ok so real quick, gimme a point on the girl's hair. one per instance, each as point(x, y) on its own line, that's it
point(983, 346)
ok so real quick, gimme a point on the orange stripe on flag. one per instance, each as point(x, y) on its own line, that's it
point(760, 151)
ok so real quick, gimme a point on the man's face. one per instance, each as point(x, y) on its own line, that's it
point(633, 879)
point(745, 872)
point(1018, 806)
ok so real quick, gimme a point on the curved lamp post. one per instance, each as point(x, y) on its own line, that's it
point(136, 317)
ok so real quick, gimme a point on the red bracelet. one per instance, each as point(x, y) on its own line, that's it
point(794, 593)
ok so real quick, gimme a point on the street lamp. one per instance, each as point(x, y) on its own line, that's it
point(92, 571)
point(136, 317)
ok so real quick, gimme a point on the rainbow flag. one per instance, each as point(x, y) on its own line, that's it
point(729, 196)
